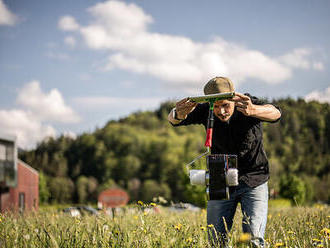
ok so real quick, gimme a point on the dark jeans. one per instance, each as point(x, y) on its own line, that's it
point(254, 204)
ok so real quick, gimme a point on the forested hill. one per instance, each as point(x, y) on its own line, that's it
point(145, 155)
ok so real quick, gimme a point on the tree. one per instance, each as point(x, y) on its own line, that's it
point(133, 187)
point(61, 189)
point(44, 193)
point(151, 189)
point(86, 189)
point(82, 187)
point(110, 183)
point(293, 188)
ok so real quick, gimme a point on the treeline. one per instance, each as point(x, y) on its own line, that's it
point(146, 156)
point(299, 151)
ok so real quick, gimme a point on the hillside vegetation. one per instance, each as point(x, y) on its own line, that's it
point(146, 156)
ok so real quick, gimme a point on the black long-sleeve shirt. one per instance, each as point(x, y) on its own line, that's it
point(241, 135)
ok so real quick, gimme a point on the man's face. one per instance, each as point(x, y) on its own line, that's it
point(224, 109)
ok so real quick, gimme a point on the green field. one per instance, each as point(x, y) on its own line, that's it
point(287, 227)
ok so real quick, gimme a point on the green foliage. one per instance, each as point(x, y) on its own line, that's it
point(82, 187)
point(293, 188)
point(289, 227)
point(279, 203)
point(144, 149)
point(110, 183)
point(299, 145)
point(61, 189)
point(86, 188)
point(134, 187)
point(151, 189)
point(196, 194)
point(44, 193)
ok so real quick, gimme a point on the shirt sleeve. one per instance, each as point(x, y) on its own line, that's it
point(197, 116)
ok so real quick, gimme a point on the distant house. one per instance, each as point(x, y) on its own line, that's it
point(19, 182)
point(112, 198)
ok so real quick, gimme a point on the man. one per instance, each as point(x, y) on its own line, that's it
point(237, 130)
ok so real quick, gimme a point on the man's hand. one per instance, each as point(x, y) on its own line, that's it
point(244, 104)
point(265, 112)
point(184, 107)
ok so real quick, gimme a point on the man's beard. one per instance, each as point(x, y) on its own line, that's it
point(223, 117)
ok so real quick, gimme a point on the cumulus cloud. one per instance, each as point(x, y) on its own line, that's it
point(113, 103)
point(6, 16)
point(46, 106)
point(320, 96)
point(299, 58)
point(123, 30)
point(70, 40)
point(31, 122)
point(70, 134)
point(68, 23)
point(57, 55)
point(25, 127)
point(116, 107)
point(318, 66)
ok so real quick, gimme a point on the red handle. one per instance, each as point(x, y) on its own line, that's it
point(208, 142)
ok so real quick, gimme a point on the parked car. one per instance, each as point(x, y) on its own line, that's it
point(72, 211)
point(183, 207)
point(81, 211)
point(87, 210)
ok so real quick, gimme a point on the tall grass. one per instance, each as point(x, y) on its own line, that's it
point(289, 227)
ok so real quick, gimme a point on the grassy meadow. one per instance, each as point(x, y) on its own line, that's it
point(139, 226)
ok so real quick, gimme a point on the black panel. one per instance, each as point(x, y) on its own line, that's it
point(216, 165)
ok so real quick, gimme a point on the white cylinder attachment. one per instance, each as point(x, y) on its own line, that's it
point(232, 177)
point(197, 177)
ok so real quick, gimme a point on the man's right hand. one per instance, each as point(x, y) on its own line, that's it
point(184, 107)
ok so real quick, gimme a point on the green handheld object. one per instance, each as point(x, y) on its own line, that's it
point(212, 97)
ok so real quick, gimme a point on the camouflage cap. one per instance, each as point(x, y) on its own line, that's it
point(218, 85)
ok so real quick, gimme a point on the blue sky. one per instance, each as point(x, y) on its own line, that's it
point(68, 67)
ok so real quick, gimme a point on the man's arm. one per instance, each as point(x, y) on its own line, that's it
point(265, 112)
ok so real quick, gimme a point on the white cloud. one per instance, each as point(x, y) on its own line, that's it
point(57, 56)
point(298, 58)
point(85, 77)
point(70, 40)
point(30, 123)
point(68, 23)
point(318, 66)
point(70, 134)
point(25, 127)
point(320, 96)
point(122, 29)
point(116, 103)
point(121, 19)
point(46, 106)
point(6, 16)
point(115, 107)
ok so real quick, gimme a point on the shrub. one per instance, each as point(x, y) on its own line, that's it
point(293, 188)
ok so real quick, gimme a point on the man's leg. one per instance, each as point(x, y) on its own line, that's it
point(220, 214)
point(254, 203)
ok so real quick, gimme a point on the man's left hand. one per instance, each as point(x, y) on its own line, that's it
point(244, 104)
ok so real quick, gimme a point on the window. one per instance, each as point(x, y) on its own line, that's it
point(21, 201)
point(2, 152)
